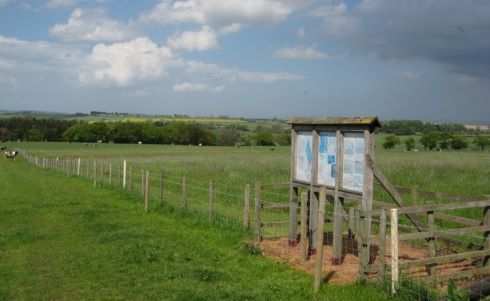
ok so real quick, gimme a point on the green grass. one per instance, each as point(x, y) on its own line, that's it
point(61, 239)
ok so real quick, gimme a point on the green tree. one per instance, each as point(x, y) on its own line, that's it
point(390, 141)
point(459, 142)
point(228, 136)
point(264, 138)
point(35, 135)
point(430, 140)
point(409, 143)
point(444, 140)
point(482, 142)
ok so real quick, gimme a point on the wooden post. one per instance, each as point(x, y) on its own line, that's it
point(258, 208)
point(110, 173)
point(362, 246)
point(304, 226)
point(351, 223)
point(314, 202)
point(95, 173)
point(382, 247)
point(146, 190)
point(161, 189)
point(432, 245)
point(124, 175)
point(486, 235)
point(367, 195)
point(414, 194)
point(184, 192)
point(293, 216)
point(338, 211)
point(394, 250)
point(130, 178)
point(78, 167)
point(210, 203)
point(246, 210)
point(319, 239)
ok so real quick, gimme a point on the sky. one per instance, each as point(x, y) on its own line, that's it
point(403, 59)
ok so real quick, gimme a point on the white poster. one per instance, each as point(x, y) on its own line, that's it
point(304, 156)
point(353, 178)
point(327, 153)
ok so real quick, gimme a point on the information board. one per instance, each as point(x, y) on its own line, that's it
point(353, 178)
point(327, 153)
point(304, 156)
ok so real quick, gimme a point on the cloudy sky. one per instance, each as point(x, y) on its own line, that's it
point(417, 59)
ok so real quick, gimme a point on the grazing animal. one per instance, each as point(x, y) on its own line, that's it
point(11, 154)
point(2, 148)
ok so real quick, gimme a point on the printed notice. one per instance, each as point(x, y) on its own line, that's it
point(353, 178)
point(304, 156)
point(327, 152)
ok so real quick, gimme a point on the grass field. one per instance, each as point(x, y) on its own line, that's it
point(61, 239)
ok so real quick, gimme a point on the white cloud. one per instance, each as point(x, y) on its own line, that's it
point(124, 63)
point(200, 40)
point(196, 87)
point(329, 10)
point(91, 25)
point(4, 2)
point(299, 52)
point(300, 32)
point(219, 12)
point(232, 28)
point(61, 3)
point(232, 75)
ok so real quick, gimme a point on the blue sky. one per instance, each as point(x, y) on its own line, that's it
point(411, 59)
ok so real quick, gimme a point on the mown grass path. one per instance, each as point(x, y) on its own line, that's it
point(61, 239)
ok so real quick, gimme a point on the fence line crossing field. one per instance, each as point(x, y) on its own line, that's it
point(63, 239)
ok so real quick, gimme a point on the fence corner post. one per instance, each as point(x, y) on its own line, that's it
point(319, 239)
point(394, 250)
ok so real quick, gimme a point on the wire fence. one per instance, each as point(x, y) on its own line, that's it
point(426, 251)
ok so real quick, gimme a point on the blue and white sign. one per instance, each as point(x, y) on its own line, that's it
point(327, 152)
point(353, 178)
point(304, 156)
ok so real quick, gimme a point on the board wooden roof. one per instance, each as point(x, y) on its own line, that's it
point(360, 120)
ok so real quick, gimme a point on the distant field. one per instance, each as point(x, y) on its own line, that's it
point(64, 240)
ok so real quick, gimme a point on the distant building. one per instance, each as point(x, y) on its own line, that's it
point(481, 127)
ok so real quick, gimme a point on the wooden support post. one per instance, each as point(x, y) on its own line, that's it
point(351, 223)
point(246, 209)
point(161, 189)
point(124, 175)
point(130, 178)
point(110, 173)
point(367, 196)
point(382, 247)
point(78, 167)
point(415, 196)
point(184, 192)
point(486, 235)
point(319, 239)
point(314, 202)
point(147, 180)
point(304, 226)
point(338, 211)
point(432, 245)
point(362, 246)
point(293, 216)
point(210, 201)
point(258, 208)
point(95, 173)
point(394, 250)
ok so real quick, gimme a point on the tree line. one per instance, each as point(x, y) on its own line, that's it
point(411, 127)
point(438, 141)
point(32, 129)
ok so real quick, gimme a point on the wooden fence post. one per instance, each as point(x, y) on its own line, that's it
point(319, 238)
point(432, 245)
point(304, 226)
point(394, 250)
point(161, 188)
point(258, 208)
point(124, 175)
point(211, 197)
point(184, 192)
point(95, 173)
point(147, 180)
point(78, 167)
point(142, 183)
point(68, 161)
point(486, 235)
point(293, 216)
point(246, 210)
point(382, 247)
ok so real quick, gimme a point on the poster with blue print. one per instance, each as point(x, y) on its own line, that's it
point(304, 156)
point(353, 173)
point(327, 152)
